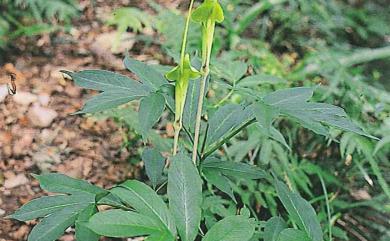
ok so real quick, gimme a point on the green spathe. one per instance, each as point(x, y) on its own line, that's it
point(208, 10)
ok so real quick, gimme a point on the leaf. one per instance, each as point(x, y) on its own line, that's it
point(149, 75)
point(219, 181)
point(224, 119)
point(290, 234)
point(59, 183)
point(293, 103)
point(293, 95)
point(265, 115)
point(191, 105)
point(43, 206)
point(273, 228)
point(83, 233)
point(54, 225)
point(259, 79)
point(120, 224)
point(109, 100)
point(233, 169)
point(146, 201)
point(231, 71)
point(154, 165)
point(117, 89)
point(300, 211)
point(150, 111)
point(233, 228)
point(382, 143)
point(185, 196)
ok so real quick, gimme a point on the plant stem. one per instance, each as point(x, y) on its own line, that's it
point(208, 29)
point(178, 119)
point(199, 114)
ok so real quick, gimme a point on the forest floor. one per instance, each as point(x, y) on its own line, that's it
point(37, 131)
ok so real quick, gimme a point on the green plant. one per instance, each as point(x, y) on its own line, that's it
point(202, 192)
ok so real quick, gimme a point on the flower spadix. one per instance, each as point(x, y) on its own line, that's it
point(182, 74)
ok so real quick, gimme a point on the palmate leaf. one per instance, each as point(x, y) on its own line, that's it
point(314, 116)
point(300, 211)
point(185, 196)
point(145, 201)
point(233, 228)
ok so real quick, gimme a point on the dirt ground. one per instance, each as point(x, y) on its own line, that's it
point(37, 131)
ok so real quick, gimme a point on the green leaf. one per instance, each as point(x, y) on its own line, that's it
point(233, 169)
point(146, 201)
point(120, 224)
point(150, 111)
point(300, 211)
point(219, 181)
point(265, 115)
point(154, 165)
point(273, 228)
point(149, 75)
point(108, 100)
point(54, 225)
point(224, 120)
point(185, 196)
point(83, 233)
point(191, 105)
point(117, 89)
point(290, 234)
point(231, 71)
point(293, 95)
point(260, 79)
point(233, 228)
point(59, 183)
point(293, 103)
point(43, 206)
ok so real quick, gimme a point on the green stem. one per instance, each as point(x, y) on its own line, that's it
point(327, 205)
point(178, 120)
point(208, 35)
